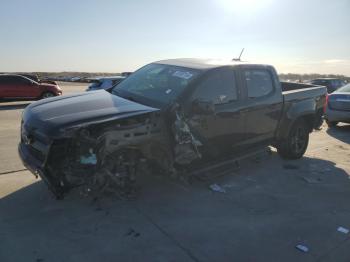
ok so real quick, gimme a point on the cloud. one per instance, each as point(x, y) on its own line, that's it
point(336, 61)
point(326, 66)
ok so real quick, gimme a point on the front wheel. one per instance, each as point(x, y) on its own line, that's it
point(295, 144)
point(47, 95)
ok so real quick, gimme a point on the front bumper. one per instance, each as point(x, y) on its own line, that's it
point(37, 167)
point(29, 161)
point(337, 115)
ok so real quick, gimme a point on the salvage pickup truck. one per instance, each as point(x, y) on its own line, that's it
point(167, 116)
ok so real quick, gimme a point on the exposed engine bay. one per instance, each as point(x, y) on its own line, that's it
point(108, 157)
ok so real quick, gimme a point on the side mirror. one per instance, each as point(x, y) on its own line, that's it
point(203, 107)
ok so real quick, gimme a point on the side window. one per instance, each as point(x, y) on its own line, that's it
point(3, 80)
point(23, 80)
point(12, 80)
point(219, 87)
point(259, 82)
point(336, 83)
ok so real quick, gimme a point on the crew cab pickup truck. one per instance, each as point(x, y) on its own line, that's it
point(168, 115)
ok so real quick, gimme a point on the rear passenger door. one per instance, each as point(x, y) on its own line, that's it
point(223, 128)
point(264, 103)
point(27, 88)
point(11, 90)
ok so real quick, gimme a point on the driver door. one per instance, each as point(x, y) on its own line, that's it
point(223, 127)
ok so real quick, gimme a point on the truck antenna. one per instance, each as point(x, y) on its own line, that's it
point(240, 55)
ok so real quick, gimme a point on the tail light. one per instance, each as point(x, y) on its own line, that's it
point(326, 103)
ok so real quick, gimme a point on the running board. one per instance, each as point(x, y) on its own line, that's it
point(225, 167)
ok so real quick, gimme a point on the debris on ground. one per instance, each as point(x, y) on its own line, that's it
point(133, 233)
point(229, 185)
point(302, 248)
point(343, 230)
point(217, 188)
point(311, 180)
point(342, 147)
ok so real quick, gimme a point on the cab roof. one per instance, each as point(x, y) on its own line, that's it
point(203, 64)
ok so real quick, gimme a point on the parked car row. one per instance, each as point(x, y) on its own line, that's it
point(332, 84)
point(31, 87)
point(105, 83)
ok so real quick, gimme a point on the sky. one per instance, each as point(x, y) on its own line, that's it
point(296, 36)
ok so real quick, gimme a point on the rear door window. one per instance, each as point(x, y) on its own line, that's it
point(336, 83)
point(23, 80)
point(219, 87)
point(3, 80)
point(259, 82)
point(13, 80)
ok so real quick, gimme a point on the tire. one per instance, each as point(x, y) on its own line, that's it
point(319, 121)
point(47, 95)
point(295, 144)
point(331, 123)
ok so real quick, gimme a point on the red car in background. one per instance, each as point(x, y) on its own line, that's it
point(22, 88)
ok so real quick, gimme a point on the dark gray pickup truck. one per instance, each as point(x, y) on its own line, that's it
point(169, 115)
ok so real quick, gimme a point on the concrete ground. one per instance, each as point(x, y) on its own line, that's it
point(269, 207)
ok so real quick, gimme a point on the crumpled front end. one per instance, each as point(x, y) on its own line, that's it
point(99, 156)
point(108, 155)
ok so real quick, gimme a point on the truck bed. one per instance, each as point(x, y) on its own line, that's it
point(288, 86)
point(304, 93)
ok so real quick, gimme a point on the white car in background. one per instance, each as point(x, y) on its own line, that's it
point(338, 106)
point(105, 83)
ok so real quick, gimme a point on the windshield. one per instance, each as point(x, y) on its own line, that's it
point(344, 88)
point(156, 82)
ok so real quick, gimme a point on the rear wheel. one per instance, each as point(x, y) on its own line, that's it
point(331, 123)
point(295, 144)
point(47, 95)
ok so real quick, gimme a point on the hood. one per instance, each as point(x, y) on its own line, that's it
point(53, 114)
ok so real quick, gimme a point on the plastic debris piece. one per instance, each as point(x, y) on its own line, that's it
point(217, 188)
point(311, 180)
point(89, 159)
point(302, 248)
point(343, 230)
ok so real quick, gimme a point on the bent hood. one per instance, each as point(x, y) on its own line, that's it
point(52, 114)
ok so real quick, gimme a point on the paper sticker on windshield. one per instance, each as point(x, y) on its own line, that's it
point(184, 75)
